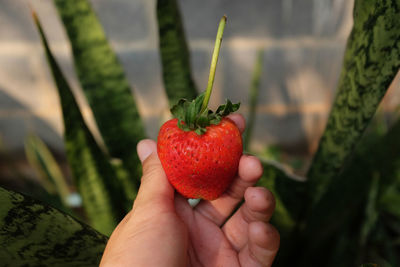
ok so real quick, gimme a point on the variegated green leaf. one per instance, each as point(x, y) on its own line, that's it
point(175, 57)
point(103, 196)
point(104, 84)
point(34, 234)
point(371, 61)
point(365, 180)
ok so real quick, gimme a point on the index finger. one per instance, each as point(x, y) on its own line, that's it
point(239, 120)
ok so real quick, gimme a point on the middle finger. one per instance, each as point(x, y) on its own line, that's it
point(258, 207)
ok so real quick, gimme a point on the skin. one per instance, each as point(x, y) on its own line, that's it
point(162, 229)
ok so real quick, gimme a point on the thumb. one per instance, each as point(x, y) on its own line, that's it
point(154, 183)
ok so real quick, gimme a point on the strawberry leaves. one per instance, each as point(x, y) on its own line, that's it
point(228, 108)
point(191, 117)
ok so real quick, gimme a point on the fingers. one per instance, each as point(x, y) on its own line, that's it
point(154, 184)
point(239, 120)
point(262, 246)
point(250, 170)
point(258, 207)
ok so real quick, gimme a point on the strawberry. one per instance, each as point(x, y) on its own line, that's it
point(200, 149)
point(200, 163)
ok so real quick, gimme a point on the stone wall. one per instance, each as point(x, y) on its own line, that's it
point(303, 43)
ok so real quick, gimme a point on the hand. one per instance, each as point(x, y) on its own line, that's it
point(162, 229)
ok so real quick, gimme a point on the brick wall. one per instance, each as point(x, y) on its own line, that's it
point(303, 43)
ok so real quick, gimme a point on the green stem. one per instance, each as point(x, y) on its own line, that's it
point(214, 61)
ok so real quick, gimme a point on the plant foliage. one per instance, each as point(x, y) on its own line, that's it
point(176, 68)
point(371, 61)
point(102, 194)
point(34, 234)
point(104, 83)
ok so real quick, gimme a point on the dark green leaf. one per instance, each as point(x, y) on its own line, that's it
point(175, 56)
point(345, 200)
point(183, 126)
point(178, 110)
point(203, 119)
point(191, 114)
point(199, 102)
point(214, 119)
point(227, 108)
point(103, 196)
point(104, 83)
point(34, 234)
point(371, 61)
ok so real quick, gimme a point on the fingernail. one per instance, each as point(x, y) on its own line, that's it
point(144, 149)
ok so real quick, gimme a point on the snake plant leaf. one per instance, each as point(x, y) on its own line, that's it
point(371, 211)
point(371, 61)
point(40, 157)
point(254, 92)
point(102, 194)
point(104, 84)
point(175, 57)
point(376, 160)
point(35, 234)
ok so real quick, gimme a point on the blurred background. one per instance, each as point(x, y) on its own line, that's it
point(303, 43)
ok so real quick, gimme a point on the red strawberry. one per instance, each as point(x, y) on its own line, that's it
point(200, 166)
point(200, 149)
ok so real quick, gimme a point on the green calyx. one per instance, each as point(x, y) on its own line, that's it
point(191, 117)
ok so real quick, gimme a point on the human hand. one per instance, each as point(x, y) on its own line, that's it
point(162, 229)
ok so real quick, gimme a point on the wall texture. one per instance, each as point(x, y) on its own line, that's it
point(303, 43)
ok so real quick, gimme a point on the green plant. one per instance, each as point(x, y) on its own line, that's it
point(254, 92)
point(52, 179)
point(34, 234)
point(343, 215)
